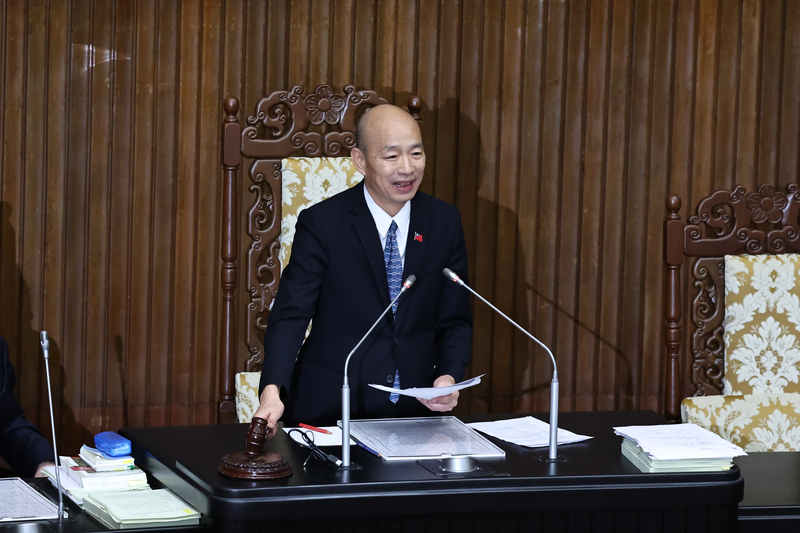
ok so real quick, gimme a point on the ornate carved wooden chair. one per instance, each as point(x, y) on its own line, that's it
point(744, 339)
point(298, 151)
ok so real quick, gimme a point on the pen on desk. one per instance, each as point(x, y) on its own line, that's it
point(314, 428)
point(370, 450)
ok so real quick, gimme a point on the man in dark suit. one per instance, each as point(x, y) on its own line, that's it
point(337, 275)
point(22, 445)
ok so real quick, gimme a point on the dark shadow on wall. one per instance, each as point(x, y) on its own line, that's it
point(503, 269)
point(17, 325)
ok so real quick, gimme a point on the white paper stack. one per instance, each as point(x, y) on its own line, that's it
point(677, 448)
point(75, 490)
point(128, 510)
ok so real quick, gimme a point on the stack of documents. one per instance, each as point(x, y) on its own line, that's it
point(676, 448)
point(75, 491)
point(127, 510)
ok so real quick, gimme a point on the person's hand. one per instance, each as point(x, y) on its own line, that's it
point(270, 407)
point(41, 467)
point(442, 403)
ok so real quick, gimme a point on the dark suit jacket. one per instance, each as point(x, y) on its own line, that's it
point(337, 275)
point(22, 445)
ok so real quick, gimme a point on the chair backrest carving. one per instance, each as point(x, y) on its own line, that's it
point(725, 223)
point(284, 124)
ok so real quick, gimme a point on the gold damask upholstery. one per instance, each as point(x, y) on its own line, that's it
point(306, 181)
point(760, 406)
point(756, 422)
point(246, 384)
point(762, 324)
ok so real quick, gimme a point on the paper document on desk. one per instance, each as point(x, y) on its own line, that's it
point(679, 441)
point(526, 431)
point(20, 501)
point(429, 393)
point(320, 439)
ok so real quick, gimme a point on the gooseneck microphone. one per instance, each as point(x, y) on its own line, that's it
point(45, 342)
point(346, 385)
point(553, 452)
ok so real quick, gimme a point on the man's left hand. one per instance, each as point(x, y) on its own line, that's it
point(42, 466)
point(442, 403)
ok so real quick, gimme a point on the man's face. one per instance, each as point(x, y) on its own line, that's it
point(394, 161)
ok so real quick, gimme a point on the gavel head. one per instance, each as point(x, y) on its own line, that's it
point(257, 435)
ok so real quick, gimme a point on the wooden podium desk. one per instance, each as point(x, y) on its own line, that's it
point(596, 490)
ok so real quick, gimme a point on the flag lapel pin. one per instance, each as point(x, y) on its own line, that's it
point(417, 237)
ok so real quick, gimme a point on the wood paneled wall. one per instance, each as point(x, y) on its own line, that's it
point(558, 128)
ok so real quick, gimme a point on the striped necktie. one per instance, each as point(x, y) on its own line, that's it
point(394, 275)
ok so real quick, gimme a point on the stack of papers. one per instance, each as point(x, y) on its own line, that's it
point(75, 491)
point(525, 431)
point(126, 510)
point(676, 448)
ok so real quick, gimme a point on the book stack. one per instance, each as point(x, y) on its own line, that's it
point(89, 478)
point(103, 462)
point(75, 491)
point(92, 471)
point(128, 510)
point(676, 448)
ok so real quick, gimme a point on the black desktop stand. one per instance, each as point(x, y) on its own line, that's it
point(596, 490)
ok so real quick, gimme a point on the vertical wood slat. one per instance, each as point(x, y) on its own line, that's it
point(55, 205)
point(100, 72)
point(466, 166)
point(483, 263)
point(571, 222)
point(659, 168)
point(509, 145)
point(528, 367)
point(117, 353)
point(33, 182)
point(553, 126)
point(138, 385)
point(588, 341)
point(184, 258)
point(547, 283)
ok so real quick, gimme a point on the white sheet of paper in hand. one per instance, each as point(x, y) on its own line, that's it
point(429, 393)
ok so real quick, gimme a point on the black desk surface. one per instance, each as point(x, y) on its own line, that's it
point(186, 460)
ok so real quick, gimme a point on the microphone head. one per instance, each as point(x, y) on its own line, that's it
point(409, 281)
point(451, 275)
point(43, 340)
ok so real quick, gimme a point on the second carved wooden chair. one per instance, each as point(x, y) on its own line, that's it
point(744, 316)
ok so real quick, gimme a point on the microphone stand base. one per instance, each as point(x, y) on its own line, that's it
point(559, 459)
point(351, 466)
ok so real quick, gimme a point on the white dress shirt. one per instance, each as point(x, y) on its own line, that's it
point(383, 221)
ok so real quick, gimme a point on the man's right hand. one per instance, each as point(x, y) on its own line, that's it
point(270, 406)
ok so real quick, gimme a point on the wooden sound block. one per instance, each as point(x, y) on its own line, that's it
point(254, 463)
